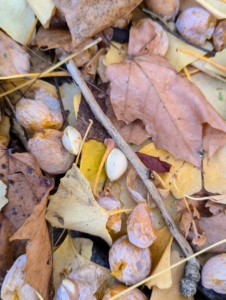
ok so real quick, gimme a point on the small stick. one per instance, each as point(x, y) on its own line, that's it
point(31, 75)
point(83, 141)
point(60, 102)
point(223, 68)
point(142, 171)
point(187, 74)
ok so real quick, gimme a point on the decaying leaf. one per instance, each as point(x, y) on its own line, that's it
point(43, 9)
point(91, 18)
point(22, 15)
point(13, 59)
point(160, 251)
point(66, 260)
point(172, 293)
point(154, 163)
point(13, 286)
point(136, 187)
point(39, 259)
point(188, 175)
point(172, 109)
point(79, 210)
point(92, 153)
point(3, 199)
point(25, 189)
point(216, 8)
point(116, 53)
point(4, 131)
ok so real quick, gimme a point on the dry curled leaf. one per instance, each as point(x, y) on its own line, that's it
point(39, 259)
point(92, 17)
point(154, 163)
point(25, 189)
point(173, 110)
point(13, 59)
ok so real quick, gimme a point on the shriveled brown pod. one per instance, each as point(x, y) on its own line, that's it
point(196, 25)
point(109, 202)
point(219, 36)
point(114, 290)
point(49, 151)
point(140, 226)
point(128, 263)
point(42, 113)
point(165, 8)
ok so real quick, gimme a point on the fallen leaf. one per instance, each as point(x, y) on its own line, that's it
point(25, 189)
point(220, 59)
point(13, 58)
point(214, 174)
point(92, 18)
point(133, 132)
point(185, 223)
point(160, 251)
point(171, 108)
point(83, 247)
point(43, 9)
point(136, 187)
point(154, 163)
point(214, 228)
point(179, 59)
point(4, 131)
point(97, 131)
point(66, 260)
point(218, 199)
point(172, 293)
point(81, 212)
point(116, 53)
point(13, 286)
point(39, 259)
point(147, 36)
point(216, 8)
point(3, 199)
point(92, 153)
point(215, 208)
point(23, 18)
point(188, 175)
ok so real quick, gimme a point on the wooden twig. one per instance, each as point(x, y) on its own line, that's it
point(132, 157)
point(60, 102)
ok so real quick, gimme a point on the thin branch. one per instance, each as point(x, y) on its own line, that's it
point(60, 102)
point(132, 157)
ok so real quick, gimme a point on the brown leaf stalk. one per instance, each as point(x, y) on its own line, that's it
point(132, 157)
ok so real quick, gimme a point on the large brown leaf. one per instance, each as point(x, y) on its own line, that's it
point(173, 110)
point(25, 189)
point(87, 18)
point(38, 250)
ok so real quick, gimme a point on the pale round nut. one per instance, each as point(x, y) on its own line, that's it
point(196, 25)
point(214, 273)
point(114, 290)
point(49, 151)
point(42, 113)
point(165, 8)
point(219, 36)
point(140, 226)
point(128, 263)
point(116, 164)
point(71, 139)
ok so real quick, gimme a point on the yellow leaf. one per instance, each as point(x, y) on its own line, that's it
point(160, 250)
point(92, 153)
point(74, 207)
point(188, 175)
point(172, 293)
point(215, 7)
point(76, 101)
point(16, 19)
point(220, 58)
point(43, 9)
point(178, 59)
point(66, 260)
point(83, 247)
point(4, 131)
point(215, 172)
point(3, 199)
point(116, 53)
